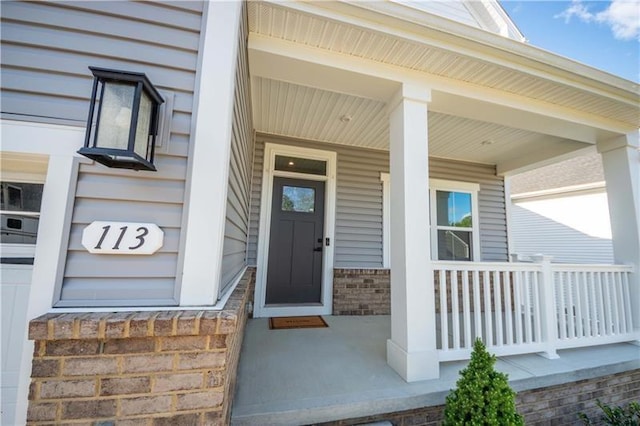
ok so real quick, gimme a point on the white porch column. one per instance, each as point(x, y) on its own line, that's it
point(621, 161)
point(411, 351)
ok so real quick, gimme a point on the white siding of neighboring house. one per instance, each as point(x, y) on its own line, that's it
point(359, 203)
point(46, 50)
point(572, 228)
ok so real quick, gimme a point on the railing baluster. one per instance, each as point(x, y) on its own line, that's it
point(497, 300)
point(477, 306)
point(537, 313)
point(466, 308)
point(577, 279)
point(528, 306)
point(618, 304)
point(508, 308)
point(517, 287)
point(488, 323)
point(595, 328)
point(607, 303)
point(560, 305)
point(627, 301)
point(570, 308)
point(599, 299)
point(455, 310)
point(587, 309)
point(444, 325)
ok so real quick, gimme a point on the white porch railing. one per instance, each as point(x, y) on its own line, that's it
point(518, 308)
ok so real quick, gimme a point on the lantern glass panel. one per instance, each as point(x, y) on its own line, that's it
point(115, 116)
point(144, 124)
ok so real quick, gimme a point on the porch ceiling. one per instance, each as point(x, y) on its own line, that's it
point(304, 112)
point(526, 108)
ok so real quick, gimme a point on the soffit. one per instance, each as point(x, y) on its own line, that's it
point(303, 112)
point(413, 51)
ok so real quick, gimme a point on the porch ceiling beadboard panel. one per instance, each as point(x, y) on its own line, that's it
point(46, 50)
point(296, 111)
point(414, 47)
point(287, 109)
point(239, 192)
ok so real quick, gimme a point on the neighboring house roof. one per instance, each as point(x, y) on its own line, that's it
point(572, 173)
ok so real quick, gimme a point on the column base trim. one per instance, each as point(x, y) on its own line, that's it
point(413, 366)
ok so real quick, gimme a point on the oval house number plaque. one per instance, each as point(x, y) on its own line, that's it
point(122, 238)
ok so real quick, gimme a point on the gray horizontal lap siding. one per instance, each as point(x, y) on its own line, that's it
point(359, 202)
point(238, 193)
point(46, 51)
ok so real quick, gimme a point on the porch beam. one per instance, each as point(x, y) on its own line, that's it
point(621, 161)
point(411, 351)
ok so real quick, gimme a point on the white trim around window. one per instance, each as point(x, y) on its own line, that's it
point(269, 172)
point(434, 185)
point(472, 189)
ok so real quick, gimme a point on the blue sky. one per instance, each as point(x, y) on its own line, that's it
point(602, 34)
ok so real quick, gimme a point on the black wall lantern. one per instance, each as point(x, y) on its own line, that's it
point(122, 134)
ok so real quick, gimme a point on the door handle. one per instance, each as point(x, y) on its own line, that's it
point(318, 248)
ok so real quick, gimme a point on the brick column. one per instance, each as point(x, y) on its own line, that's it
point(148, 368)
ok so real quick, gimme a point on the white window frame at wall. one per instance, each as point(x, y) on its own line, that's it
point(434, 185)
point(462, 187)
point(269, 172)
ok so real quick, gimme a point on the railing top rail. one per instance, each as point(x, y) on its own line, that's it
point(566, 267)
point(517, 266)
point(485, 266)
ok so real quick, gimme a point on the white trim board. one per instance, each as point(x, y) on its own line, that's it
point(269, 172)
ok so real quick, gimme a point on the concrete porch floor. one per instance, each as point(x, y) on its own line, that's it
point(304, 376)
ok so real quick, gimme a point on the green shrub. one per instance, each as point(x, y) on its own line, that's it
point(617, 416)
point(482, 395)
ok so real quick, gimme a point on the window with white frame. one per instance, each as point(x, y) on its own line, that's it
point(454, 220)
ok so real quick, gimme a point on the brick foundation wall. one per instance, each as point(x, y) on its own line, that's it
point(361, 292)
point(368, 292)
point(554, 405)
point(138, 368)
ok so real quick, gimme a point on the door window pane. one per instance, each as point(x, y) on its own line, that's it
point(298, 199)
point(454, 209)
point(301, 165)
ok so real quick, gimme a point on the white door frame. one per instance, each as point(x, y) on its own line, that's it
point(264, 230)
